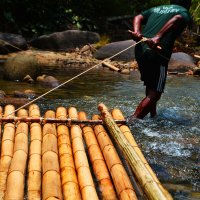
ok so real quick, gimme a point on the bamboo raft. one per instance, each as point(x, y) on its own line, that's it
point(65, 155)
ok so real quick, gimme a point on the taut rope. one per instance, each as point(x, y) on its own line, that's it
point(10, 44)
point(142, 40)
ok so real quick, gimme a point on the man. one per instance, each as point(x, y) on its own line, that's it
point(163, 24)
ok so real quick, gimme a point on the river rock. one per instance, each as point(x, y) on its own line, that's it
point(181, 62)
point(11, 42)
point(115, 47)
point(48, 81)
point(18, 66)
point(125, 71)
point(28, 79)
point(29, 94)
point(17, 102)
point(65, 40)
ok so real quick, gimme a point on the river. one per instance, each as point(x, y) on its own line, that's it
point(170, 142)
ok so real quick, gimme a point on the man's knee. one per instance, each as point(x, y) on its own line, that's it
point(153, 95)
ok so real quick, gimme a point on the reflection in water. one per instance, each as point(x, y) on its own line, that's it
point(170, 142)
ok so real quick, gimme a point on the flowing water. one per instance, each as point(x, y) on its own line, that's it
point(170, 142)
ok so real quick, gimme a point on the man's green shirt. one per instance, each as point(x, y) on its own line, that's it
point(155, 18)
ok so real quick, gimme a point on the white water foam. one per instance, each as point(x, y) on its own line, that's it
point(171, 149)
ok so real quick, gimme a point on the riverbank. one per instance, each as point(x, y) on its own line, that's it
point(83, 58)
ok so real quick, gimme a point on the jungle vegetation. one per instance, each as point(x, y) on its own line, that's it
point(32, 18)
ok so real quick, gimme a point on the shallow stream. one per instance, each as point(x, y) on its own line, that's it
point(170, 142)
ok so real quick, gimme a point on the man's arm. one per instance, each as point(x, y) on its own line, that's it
point(173, 23)
point(137, 22)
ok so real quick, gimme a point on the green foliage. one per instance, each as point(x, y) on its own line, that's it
point(36, 17)
point(195, 10)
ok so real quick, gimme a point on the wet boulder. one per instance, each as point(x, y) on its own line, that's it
point(65, 40)
point(181, 62)
point(17, 67)
point(28, 79)
point(17, 102)
point(115, 47)
point(29, 94)
point(48, 81)
point(11, 43)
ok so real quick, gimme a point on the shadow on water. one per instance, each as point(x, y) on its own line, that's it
point(170, 142)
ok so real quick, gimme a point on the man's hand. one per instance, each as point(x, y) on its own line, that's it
point(135, 35)
point(173, 23)
point(154, 42)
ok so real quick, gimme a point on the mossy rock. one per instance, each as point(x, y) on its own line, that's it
point(17, 67)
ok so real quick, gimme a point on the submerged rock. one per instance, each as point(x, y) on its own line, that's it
point(28, 79)
point(48, 81)
point(29, 94)
point(17, 102)
point(161, 172)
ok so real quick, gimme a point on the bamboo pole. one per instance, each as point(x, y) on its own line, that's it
point(110, 66)
point(22, 113)
point(98, 163)
point(51, 183)
point(16, 176)
point(6, 149)
point(151, 187)
point(137, 188)
point(117, 115)
point(85, 180)
point(119, 176)
point(55, 120)
point(35, 156)
point(69, 179)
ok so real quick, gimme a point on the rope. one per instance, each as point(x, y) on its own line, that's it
point(142, 40)
point(11, 45)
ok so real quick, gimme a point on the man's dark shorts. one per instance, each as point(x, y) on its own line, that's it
point(153, 67)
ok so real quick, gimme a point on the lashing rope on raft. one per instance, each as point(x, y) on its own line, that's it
point(43, 120)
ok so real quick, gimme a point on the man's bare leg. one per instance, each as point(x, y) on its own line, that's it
point(150, 92)
point(148, 104)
